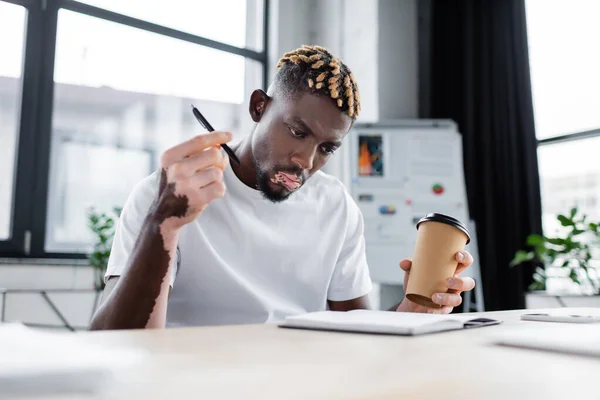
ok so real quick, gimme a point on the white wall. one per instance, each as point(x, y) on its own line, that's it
point(8, 144)
point(360, 52)
point(289, 25)
point(398, 59)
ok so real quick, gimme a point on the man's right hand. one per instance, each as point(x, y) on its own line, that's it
point(191, 177)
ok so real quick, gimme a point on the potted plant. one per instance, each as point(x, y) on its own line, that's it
point(570, 251)
point(103, 226)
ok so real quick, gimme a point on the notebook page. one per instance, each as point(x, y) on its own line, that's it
point(378, 318)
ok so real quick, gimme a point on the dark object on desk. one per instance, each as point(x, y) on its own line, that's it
point(209, 128)
point(479, 322)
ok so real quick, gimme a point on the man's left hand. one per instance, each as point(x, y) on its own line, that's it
point(447, 301)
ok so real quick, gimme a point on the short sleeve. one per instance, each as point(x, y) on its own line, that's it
point(351, 278)
point(129, 225)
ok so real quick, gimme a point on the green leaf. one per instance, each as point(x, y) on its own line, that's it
point(551, 253)
point(566, 263)
point(102, 225)
point(574, 278)
point(535, 240)
point(573, 212)
point(564, 221)
point(522, 256)
point(556, 241)
point(576, 232)
point(537, 286)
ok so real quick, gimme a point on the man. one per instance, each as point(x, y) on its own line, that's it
point(284, 239)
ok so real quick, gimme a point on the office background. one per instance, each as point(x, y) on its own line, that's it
point(92, 92)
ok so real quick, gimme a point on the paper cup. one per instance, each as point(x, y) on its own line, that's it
point(439, 238)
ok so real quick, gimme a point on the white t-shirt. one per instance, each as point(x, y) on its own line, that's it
point(247, 260)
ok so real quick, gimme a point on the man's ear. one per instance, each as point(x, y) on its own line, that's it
point(258, 104)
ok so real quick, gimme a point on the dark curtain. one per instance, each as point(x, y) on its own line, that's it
point(474, 69)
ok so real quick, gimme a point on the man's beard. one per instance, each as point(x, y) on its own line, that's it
point(263, 180)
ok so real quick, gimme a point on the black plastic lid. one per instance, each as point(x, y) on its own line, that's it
point(436, 217)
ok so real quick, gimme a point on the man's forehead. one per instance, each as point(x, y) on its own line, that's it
point(318, 111)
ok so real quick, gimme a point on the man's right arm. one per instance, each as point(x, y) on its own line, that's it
point(138, 298)
point(191, 177)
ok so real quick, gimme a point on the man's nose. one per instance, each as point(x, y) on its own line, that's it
point(305, 158)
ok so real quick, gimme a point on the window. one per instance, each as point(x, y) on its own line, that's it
point(563, 42)
point(122, 77)
point(116, 110)
point(570, 175)
point(227, 21)
point(12, 25)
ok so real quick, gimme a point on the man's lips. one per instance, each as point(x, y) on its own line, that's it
point(290, 181)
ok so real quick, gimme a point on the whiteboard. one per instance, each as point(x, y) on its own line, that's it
point(401, 171)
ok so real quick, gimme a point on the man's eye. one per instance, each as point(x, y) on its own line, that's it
point(328, 150)
point(295, 132)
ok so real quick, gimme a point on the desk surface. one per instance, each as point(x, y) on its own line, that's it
point(267, 362)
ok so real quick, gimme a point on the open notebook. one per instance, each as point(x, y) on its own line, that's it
point(388, 322)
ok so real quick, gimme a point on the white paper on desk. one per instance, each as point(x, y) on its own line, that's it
point(557, 337)
point(34, 362)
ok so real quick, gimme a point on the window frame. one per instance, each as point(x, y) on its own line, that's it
point(32, 157)
point(569, 137)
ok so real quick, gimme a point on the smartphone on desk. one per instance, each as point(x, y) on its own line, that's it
point(575, 319)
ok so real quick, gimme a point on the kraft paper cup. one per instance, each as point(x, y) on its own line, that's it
point(439, 238)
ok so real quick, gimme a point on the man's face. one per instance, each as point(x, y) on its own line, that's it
point(293, 139)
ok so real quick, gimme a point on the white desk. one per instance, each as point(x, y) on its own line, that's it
point(267, 362)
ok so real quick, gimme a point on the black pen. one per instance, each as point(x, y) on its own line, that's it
point(209, 128)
